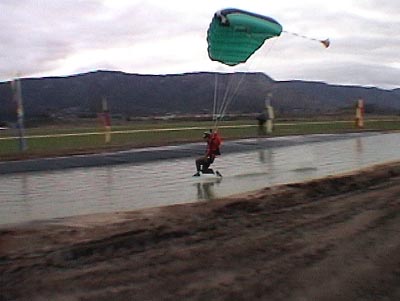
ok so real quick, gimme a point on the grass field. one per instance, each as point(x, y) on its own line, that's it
point(66, 140)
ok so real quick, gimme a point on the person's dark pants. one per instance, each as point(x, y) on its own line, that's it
point(203, 164)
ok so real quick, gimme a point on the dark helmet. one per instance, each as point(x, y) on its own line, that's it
point(206, 134)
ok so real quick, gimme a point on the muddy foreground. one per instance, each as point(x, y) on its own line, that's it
point(332, 239)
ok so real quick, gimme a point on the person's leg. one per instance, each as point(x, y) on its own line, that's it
point(206, 166)
point(200, 163)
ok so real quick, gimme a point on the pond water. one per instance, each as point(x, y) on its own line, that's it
point(52, 194)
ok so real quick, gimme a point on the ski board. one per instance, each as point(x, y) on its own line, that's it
point(215, 175)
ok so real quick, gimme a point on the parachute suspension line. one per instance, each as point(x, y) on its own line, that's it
point(229, 97)
point(218, 112)
point(232, 96)
point(325, 42)
point(218, 106)
point(226, 97)
point(231, 90)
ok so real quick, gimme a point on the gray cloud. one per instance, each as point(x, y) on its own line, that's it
point(363, 74)
point(39, 37)
point(38, 33)
point(390, 8)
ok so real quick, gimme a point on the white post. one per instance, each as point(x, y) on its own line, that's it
point(269, 112)
point(106, 121)
point(360, 114)
point(17, 97)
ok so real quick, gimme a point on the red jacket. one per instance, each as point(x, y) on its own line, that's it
point(213, 144)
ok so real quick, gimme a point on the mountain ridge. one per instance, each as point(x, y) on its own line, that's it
point(132, 94)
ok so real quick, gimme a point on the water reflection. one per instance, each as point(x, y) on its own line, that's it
point(24, 201)
point(358, 145)
point(108, 180)
point(206, 190)
point(43, 195)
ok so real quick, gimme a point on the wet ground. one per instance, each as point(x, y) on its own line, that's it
point(145, 182)
point(335, 238)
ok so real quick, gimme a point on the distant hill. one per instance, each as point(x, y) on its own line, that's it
point(191, 93)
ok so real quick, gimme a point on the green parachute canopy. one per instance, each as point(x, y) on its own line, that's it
point(234, 35)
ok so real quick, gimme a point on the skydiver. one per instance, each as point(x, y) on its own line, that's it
point(203, 163)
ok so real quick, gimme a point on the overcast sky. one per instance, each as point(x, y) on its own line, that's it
point(64, 37)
